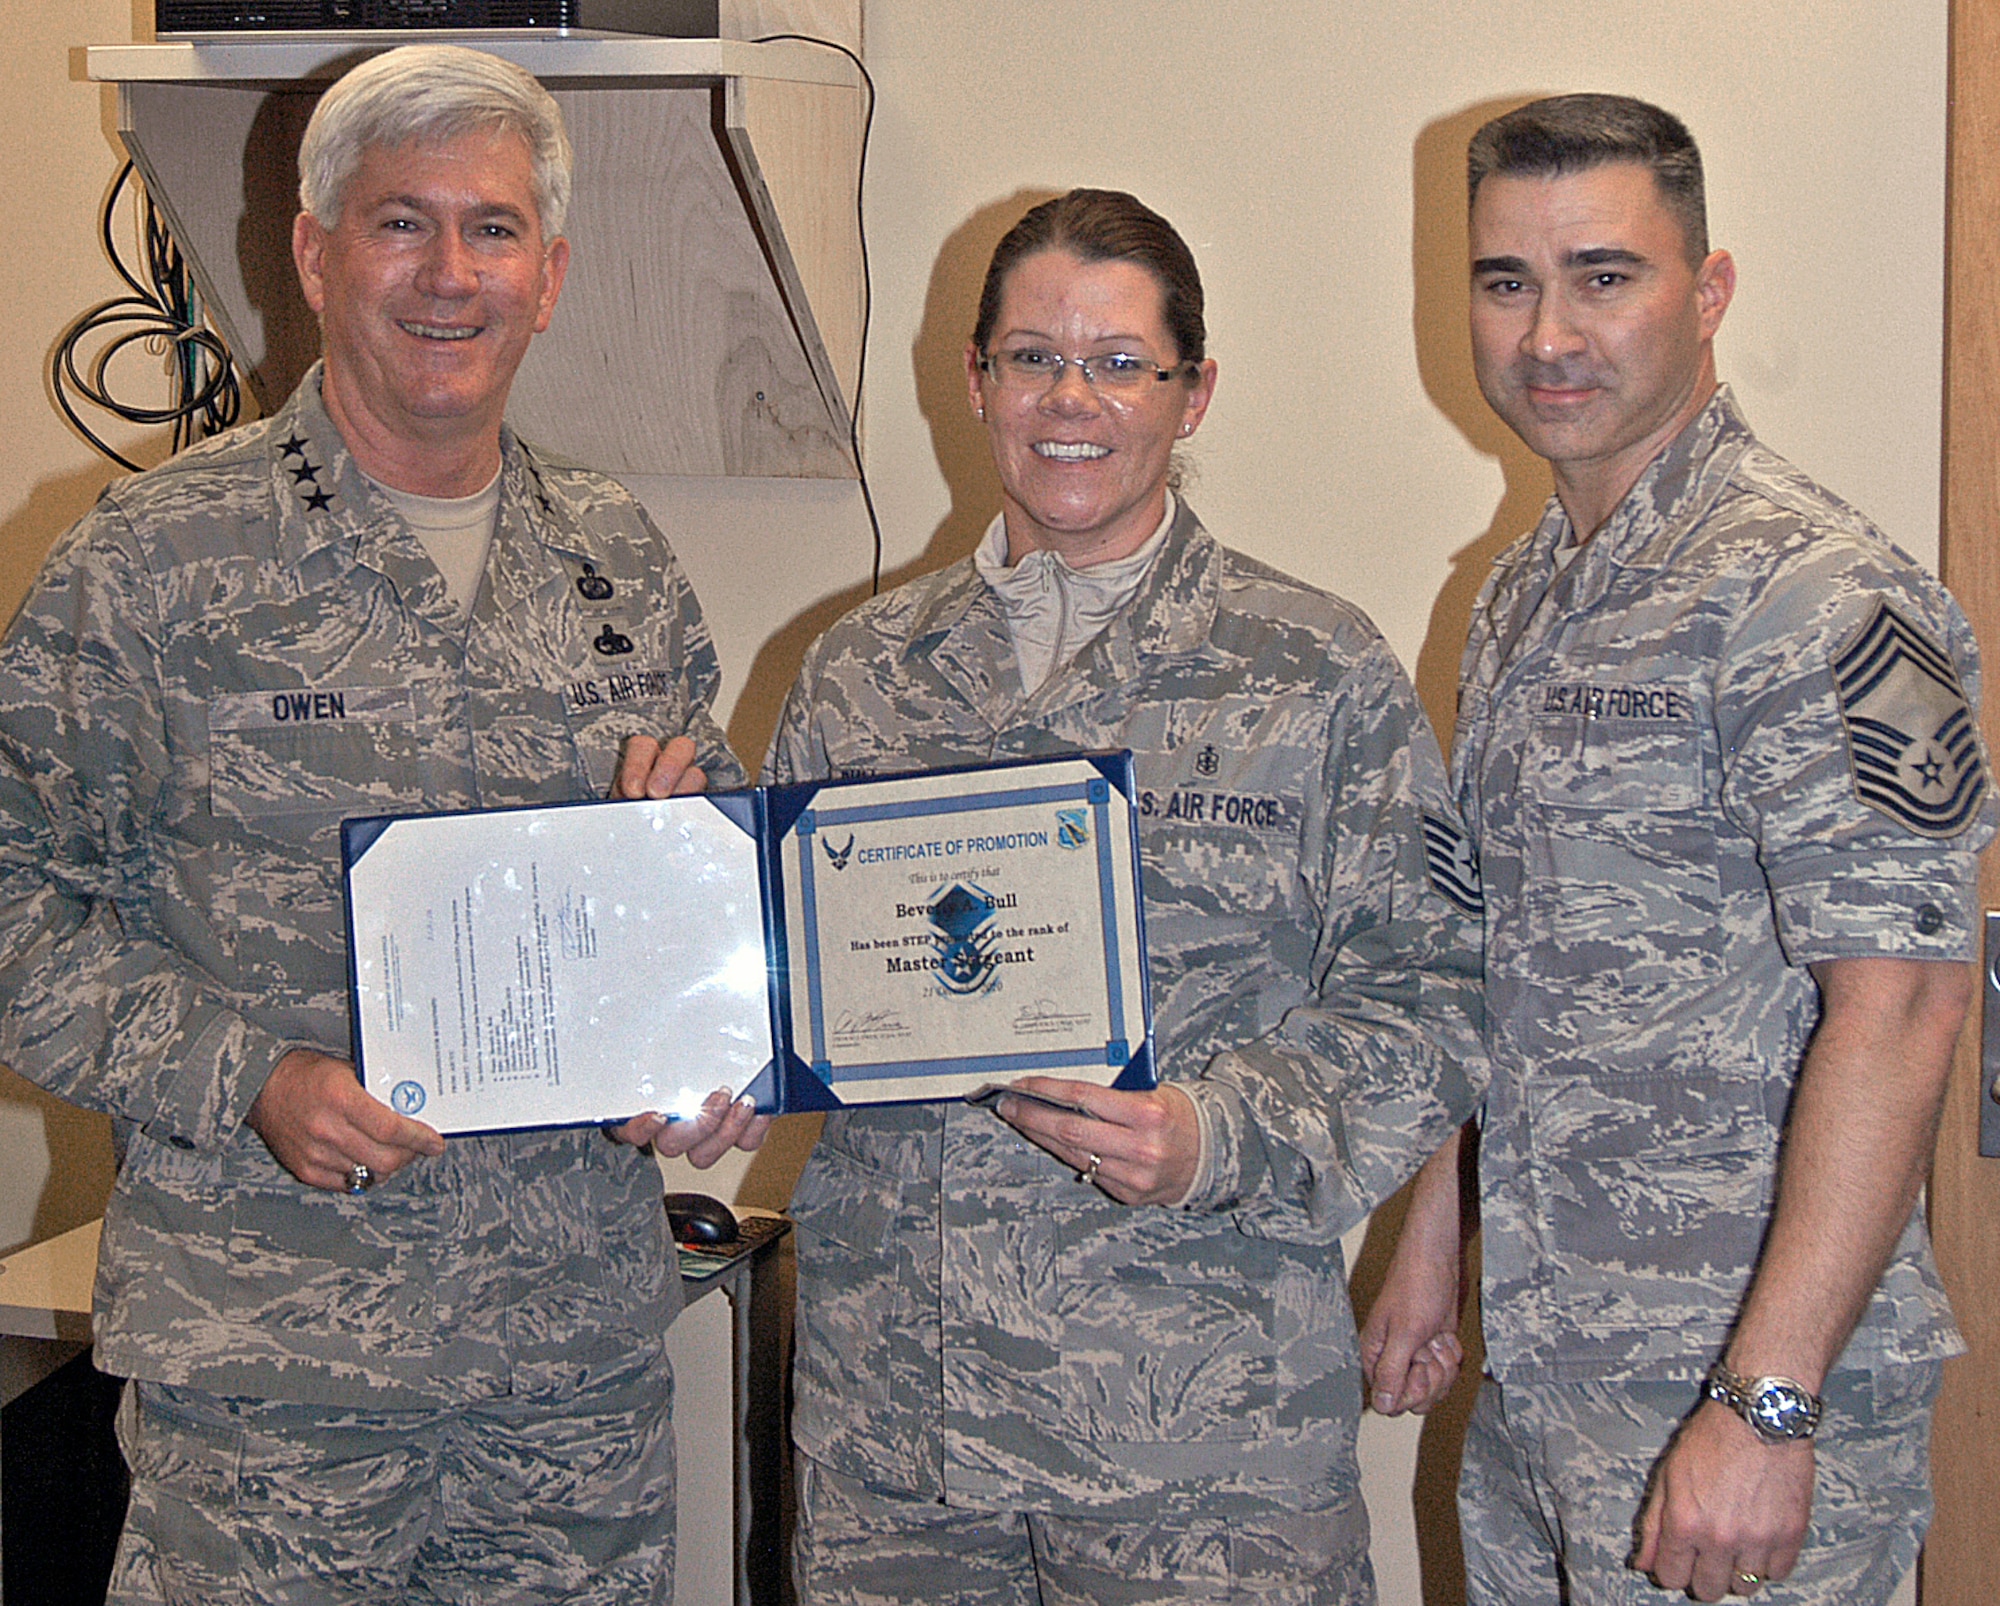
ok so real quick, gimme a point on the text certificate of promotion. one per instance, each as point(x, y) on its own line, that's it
point(952, 929)
point(555, 966)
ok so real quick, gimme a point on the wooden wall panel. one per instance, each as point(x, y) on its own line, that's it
point(714, 200)
point(1962, 1560)
point(838, 20)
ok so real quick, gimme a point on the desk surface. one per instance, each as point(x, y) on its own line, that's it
point(704, 1265)
point(45, 1289)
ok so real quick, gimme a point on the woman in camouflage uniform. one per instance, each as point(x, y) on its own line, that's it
point(1109, 1355)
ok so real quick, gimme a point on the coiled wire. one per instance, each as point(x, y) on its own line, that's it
point(164, 314)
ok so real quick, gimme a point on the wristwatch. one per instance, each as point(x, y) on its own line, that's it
point(1778, 1409)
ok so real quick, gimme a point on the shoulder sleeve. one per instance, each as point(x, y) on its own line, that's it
point(1318, 1121)
point(692, 650)
point(849, 698)
point(1847, 710)
point(94, 1005)
point(796, 752)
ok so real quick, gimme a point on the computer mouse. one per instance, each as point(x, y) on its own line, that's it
point(695, 1218)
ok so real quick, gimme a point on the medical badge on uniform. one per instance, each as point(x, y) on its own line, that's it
point(1910, 732)
point(592, 586)
point(612, 643)
point(1453, 866)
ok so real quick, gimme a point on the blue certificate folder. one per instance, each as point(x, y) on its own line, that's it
point(887, 940)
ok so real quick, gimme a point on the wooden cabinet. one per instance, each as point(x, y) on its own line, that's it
point(711, 321)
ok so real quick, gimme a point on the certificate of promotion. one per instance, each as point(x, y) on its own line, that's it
point(556, 966)
point(949, 930)
point(813, 946)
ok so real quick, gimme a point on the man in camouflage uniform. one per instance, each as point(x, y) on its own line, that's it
point(370, 1365)
point(1717, 746)
point(1165, 1398)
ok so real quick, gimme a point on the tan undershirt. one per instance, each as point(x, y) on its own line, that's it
point(1053, 610)
point(457, 532)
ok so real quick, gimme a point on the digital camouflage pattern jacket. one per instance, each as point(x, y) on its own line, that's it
point(976, 1325)
point(1733, 737)
point(223, 659)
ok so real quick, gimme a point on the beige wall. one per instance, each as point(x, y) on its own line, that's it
point(1310, 152)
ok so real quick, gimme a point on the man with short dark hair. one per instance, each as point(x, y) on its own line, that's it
point(369, 1365)
point(1717, 746)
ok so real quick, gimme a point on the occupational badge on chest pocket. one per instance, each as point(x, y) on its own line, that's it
point(1910, 733)
point(612, 640)
point(597, 595)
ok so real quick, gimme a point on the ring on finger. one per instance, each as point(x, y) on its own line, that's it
point(1747, 1583)
point(1088, 1175)
point(359, 1178)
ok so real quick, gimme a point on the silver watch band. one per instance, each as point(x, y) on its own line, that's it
point(1779, 1410)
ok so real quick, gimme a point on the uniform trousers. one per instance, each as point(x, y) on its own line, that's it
point(513, 1501)
point(858, 1544)
point(1555, 1478)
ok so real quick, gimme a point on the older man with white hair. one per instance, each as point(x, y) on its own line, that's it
point(368, 1364)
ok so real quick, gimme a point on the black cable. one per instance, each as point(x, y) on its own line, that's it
point(204, 397)
point(867, 287)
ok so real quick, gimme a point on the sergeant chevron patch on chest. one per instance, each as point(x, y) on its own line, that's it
point(1453, 866)
point(1910, 734)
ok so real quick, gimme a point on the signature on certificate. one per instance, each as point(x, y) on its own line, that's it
point(1046, 1015)
point(860, 1025)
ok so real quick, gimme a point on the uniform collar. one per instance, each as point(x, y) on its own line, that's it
point(324, 501)
point(1672, 496)
point(1170, 614)
point(1528, 598)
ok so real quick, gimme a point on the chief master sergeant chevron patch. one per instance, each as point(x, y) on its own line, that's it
point(1909, 732)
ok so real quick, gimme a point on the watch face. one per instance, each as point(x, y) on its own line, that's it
point(1781, 1411)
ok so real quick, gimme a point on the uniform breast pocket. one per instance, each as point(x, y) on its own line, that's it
point(299, 781)
point(1594, 765)
point(263, 865)
point(1621, 876)
point(294, 764)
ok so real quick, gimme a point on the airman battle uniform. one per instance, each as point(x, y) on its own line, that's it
point(1730, 737)
point(223, 659)
point(1164, 1397)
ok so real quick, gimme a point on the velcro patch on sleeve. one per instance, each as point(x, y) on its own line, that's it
point(1910, 733)
point(1452, 865)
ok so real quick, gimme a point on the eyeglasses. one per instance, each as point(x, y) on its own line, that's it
point(1032, 370)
